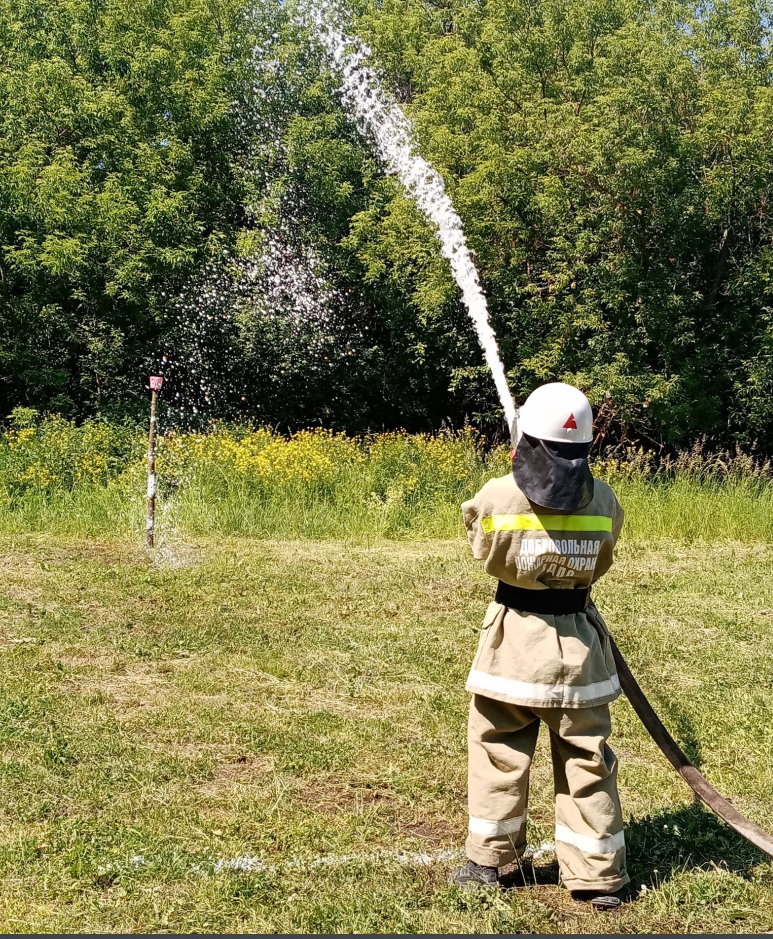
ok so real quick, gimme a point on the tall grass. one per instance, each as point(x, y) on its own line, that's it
point(694, 497)
point(90, 480)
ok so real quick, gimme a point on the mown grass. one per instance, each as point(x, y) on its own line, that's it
point(166, 712)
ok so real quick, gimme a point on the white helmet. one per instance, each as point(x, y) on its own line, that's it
point(557, 412)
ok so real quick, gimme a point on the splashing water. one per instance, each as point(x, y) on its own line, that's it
point(380, 115)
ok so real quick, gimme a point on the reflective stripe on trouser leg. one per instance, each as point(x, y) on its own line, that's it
point(501, 739)
point(590, 844)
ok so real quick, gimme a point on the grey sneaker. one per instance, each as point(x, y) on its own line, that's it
point(474, 875)
point(603, 902)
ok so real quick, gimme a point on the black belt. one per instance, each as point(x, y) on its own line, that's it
point(550, 602)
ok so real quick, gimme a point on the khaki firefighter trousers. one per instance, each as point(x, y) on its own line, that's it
point(590, 844)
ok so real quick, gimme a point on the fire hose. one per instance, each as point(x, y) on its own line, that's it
point(678, 759)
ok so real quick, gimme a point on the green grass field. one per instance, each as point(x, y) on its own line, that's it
point(260, 725)
point(234, 735)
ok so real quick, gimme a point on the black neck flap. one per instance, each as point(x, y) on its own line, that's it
point(553, 475)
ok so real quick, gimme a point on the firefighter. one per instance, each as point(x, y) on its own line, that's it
point(547, 532)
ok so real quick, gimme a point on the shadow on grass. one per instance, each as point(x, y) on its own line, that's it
point(682, 728)
point(687, 838)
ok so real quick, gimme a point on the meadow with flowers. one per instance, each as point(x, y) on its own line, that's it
point(241, 480)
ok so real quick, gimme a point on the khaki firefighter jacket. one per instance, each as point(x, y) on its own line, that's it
point(539, 660)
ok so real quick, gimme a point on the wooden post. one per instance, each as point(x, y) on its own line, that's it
point(150, 532)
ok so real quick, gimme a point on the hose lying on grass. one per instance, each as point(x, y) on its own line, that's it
point(673, 752)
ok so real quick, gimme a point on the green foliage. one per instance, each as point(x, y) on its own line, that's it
point(119, 176)
point(612, 163)
point(611, 160)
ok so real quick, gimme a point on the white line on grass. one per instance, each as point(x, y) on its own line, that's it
point(253, 865)
point(248, 864)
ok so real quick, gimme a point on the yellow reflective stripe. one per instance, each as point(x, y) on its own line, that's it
point(546, 523)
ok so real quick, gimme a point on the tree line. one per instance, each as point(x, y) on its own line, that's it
point(180, 189)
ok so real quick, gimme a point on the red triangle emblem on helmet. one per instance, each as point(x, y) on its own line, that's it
point(571, 424)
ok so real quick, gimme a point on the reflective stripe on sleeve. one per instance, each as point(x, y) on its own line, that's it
point(607, 845)
point(530, 691)
point(531, 522)
point(489, 828)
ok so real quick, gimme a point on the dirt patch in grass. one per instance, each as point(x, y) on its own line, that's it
point(99, 661)
point(334, 796)
point(247, 773)
point(433, 831)
point(127, 688)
